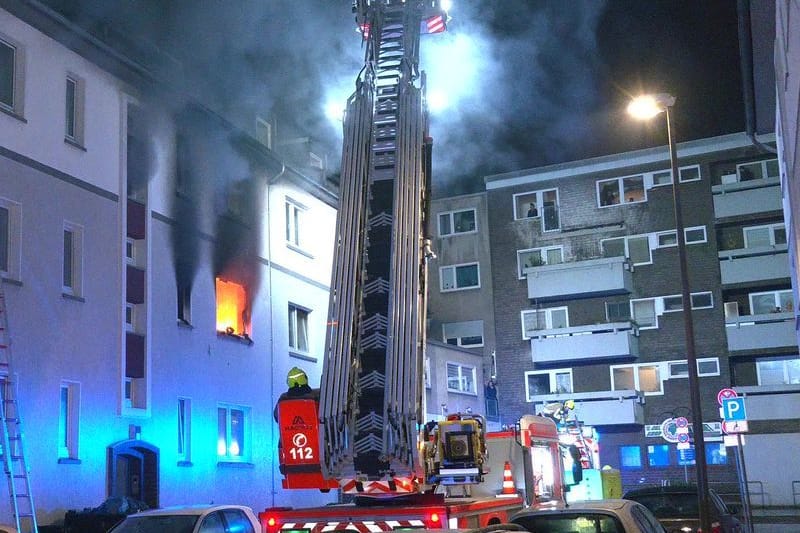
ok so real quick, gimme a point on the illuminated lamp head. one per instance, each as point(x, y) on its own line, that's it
point(296, 378)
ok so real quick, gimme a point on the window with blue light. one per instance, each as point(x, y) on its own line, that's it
point(716, 454)
point(630, 456)
point(658, 455)
point(233, 433)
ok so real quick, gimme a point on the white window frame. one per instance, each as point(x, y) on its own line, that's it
point(264, 125)
point(692, 296)
point(770, 227)
point(78, 111)
point(75, 286)
point(451, 218)
point(68, 448)
point(184, 421)
point(548, 318)
point(463, 370)
point(626, 239)
point(636, 382)
point(553, 376)
point(620, 185)
point(229, 457)
point(542, 256)
point(776, 298)
point(294, 332)
point(656, 310)
point(295, 213)
point(673, 233)
point(783, 362)
point(674, 374)
point(762, 164)
point(427, 370)
point(460, 339)
point(17, 106)
point(538, 199)
point(626, 304)
point(13, 240)
point(130, 317)
point(651, 176)
point(454, 269)
point(695, 228)
point(184, 304)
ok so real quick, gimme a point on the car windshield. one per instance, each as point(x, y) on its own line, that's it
point(157, 524)
point(674, 505)
point(570, 523)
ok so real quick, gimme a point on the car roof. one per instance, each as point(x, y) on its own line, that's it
point(197, 510)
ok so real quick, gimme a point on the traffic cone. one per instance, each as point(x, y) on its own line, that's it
point(508, 482)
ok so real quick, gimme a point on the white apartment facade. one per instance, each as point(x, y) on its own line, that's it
point(118, 304)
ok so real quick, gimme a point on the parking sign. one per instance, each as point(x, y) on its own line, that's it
point(733, 409)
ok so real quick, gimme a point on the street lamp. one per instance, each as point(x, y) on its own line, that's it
point(643, 108)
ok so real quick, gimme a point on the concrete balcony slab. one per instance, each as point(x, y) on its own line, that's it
point(602, 408)
point(582, 343)
point(594, 277)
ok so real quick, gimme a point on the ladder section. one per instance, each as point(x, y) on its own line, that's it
point(13, 453)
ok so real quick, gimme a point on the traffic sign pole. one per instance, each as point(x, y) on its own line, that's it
point(743, 485)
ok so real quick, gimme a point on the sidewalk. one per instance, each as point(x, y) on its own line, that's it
point(776, 520)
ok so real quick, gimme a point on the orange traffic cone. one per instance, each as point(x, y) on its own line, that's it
point(508, 481)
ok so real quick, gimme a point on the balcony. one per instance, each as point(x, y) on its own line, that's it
point(602, 408)
point(755, 332)
point(747, 197)
point(584, 279)
point(582, 343)
point(747, 265)
point(771, 402)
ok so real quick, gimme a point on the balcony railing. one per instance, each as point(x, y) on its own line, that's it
point(771, 402)
point(754, 332)
point(747, 197)
point(579, 343)
point(602, 408)
point(594, 277)
point(746, 265)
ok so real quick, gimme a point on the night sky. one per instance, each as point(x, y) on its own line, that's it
point(530, 83)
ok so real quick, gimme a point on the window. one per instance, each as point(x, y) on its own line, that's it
point(455, 222)
point(10, 216)
point(184, 429)
point(184, 304)
point(635, 247)
point(427, 370)
point(459, 277)
point(616, 191)
point(764, 236)
point(264, 132)
point(658, 455)
point(762, 303)
point(757, 170)
point(630, 456)
point(12, 75)
point(73, 98)
point(237, 521)
point(778, 371)
point(618, 311)
point(130, 317)
point(534, 257)
point(700, 300)
point(539, 204)
point(695, 235)
point(298, 328)
point(233, 433)
point(664, 177)
point(707, 366)
point(539, 319)
point(466, 334)
point(294, 220)
point(543, 382)
point(461, 378)
point(130, 251)
point(232, 308)
point(644, 313)
point(716, 453)
point(667, 238)
point(69, 412)
point(642, 377)
point(73, 259)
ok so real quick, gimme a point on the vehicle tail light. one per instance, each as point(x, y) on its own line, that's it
point(434, 520)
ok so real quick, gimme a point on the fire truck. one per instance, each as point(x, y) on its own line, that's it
point(362, 433)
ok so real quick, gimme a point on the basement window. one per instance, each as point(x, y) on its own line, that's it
point(232, 312)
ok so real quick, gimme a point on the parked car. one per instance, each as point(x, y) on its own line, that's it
point(192, 519)
point(606, 516)
point(677, 508)
point(99, 519)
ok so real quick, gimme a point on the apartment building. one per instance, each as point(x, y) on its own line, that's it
point(163, 269)
point(587, 304)
point(460, 312)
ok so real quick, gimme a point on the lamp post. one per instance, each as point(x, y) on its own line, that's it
point(645, 107)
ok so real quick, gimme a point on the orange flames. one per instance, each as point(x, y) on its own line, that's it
point(231, 306)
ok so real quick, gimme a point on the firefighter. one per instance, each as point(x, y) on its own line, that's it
point(297, 380)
